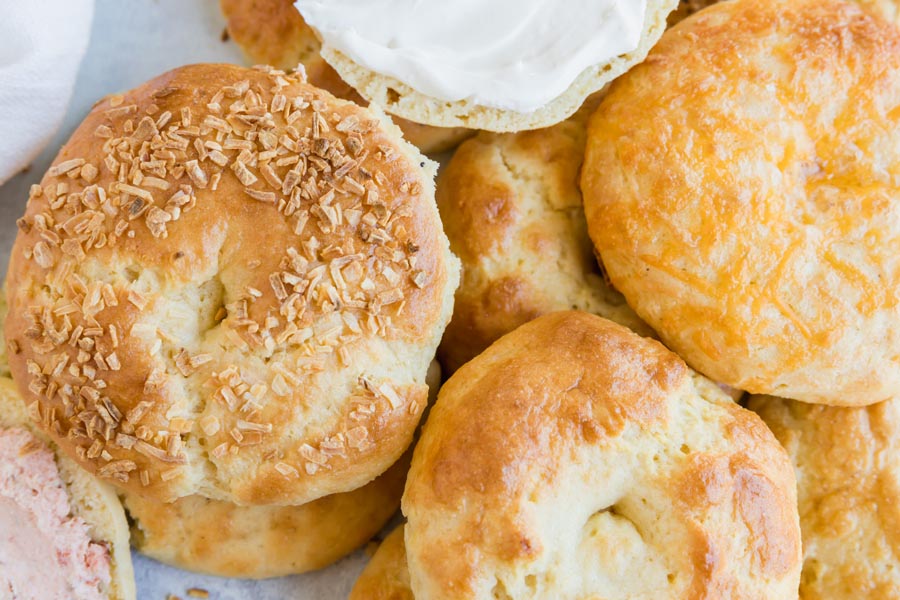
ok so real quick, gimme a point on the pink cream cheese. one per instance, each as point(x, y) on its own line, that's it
point(45, 552)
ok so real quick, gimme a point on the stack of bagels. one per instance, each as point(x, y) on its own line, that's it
point(668, 323)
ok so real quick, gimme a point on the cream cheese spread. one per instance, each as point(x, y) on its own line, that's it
point(45, 552)
point(515, 55)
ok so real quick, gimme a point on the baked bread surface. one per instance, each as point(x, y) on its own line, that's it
point(574, 458)
point(848, 482)
point(512, 209)
point(739, 186)
point(386, 576)
point(231, 284)
point(256, 542)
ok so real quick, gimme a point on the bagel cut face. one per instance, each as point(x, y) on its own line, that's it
point(848, 480)
point(90, 501)
point(230, 284)
point(741, 189)
point(576, 459)
point(405, 101)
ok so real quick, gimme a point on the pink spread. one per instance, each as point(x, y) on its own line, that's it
point(45, 552)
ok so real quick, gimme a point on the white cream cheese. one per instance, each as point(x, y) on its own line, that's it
point(511, 54)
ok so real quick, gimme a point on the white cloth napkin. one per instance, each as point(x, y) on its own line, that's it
point(42, 43)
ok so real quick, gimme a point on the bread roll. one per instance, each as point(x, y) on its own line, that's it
point(512, 210)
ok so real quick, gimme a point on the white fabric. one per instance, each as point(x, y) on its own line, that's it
point(42, 43)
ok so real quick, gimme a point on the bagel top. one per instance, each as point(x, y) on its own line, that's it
point(574, 458)
point(741, 189)
point(230, 283)
point(848, 481)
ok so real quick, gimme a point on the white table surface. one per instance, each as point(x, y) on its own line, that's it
point(132, 41)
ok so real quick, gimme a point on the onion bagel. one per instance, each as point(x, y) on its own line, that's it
point(231, 284)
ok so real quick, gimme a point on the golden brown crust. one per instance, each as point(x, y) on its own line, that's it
point(310, 254)
point(219, 538)
point(386, 577)
point(272, 32)
point(686, 8)
point(765, 259)
point(669, 488)
point(512, 209)
point(4, 361)
point(92, 500)
point(887, 9)
point(848, 482)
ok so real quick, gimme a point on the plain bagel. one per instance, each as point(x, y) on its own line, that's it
point(574, 458)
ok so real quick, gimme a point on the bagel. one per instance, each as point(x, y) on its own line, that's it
point(386, 576)
point(230, 284)
point(256, 542)
point(512, 210)
point(89, 556)
point(575, 459)
point(398, 98)
point(737, 188)
point(887, 9)
point(272, 32)
point(848, 480)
